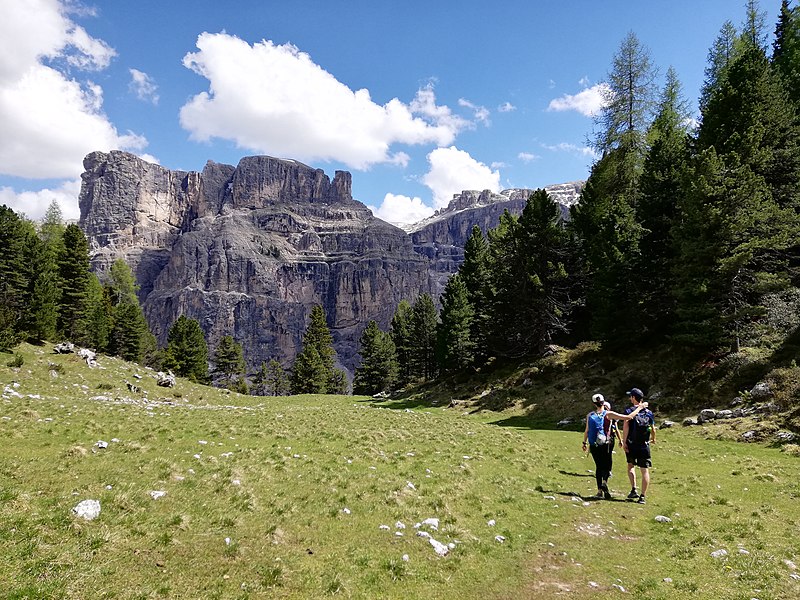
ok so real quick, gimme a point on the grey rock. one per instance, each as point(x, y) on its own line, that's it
point(785, 437)
point(64, 348)
point(689, 421)
point(750, 436)
point(565, 422)
point(761, 391)
point(165, 379)
point(737, 412)
point(725, 414)
point(666, 424)
point(707, 414)
point(737, 401)
point(87, 509)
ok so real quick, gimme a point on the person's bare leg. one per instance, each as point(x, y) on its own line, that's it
point(645, 480)
point(632, 475)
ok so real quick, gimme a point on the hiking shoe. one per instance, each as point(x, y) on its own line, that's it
point(607, 495)
point(599, 494)
point(633, 495)
point(641, 500)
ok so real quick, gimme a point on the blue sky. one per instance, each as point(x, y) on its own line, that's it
point(418, 100)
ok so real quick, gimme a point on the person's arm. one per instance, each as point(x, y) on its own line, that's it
point(625, 428)
point(614, 415)
point(652, 430)
point(586, 432)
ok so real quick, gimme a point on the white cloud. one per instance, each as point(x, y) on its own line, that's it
point(143, 86)
point(401, 210)
point(588, 102)
point(573, 149)
point(50, 121)
point(506, 107)
point(498, 165)
point(34, 204)
point(527, 157)
point(481, 113)
point(274, 99)
point(584, 81)
point(453, 171)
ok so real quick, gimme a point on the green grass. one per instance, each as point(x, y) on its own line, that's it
point(257, 511)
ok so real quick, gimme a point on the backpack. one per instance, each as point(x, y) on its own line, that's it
point(601, 437)
point(641, 428)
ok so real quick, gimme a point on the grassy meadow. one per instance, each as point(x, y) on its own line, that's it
point(319, 496)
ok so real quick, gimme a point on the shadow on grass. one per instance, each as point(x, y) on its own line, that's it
point(583, 498)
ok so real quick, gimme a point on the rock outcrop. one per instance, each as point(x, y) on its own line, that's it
point(248, 250)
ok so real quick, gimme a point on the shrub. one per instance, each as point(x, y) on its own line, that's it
point(16, 362)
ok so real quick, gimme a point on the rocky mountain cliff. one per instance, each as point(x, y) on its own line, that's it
point(248, 250)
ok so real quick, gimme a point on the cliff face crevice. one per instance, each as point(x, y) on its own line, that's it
point(249, 250)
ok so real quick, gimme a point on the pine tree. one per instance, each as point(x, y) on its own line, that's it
point(474, 273)
point(455, 347)
point(12, 279)
point(98, 315)
point(423, 338)
point(400, 331)
point(42, 292)
point(661, 185)
point(378, 369)
point(129, 334)
point(187, 351)
point(228, 363)
point(720, 55)
point(271, 380)
point(74, 282)
point(786, 50)
point(313, 371)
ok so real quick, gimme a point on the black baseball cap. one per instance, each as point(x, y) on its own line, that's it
point(635, 392)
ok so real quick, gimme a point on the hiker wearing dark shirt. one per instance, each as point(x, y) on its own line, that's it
point(597, 437)
point(637, 435)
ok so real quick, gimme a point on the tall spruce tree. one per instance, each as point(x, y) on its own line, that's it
point(720, 55)
point(129, 333)
point(400, 331)
point(661, 185)
point(313, 371)
point(271, 380)
point(423, 338)
point(378, 369)
point(74, 282)
point(12, 277)
point(187, 352)
point(786, 50)
point(474, 273)
point(229, 365)
point(455, 346)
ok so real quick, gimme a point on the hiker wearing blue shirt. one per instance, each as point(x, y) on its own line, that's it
point(597, 436)
point(637, 435)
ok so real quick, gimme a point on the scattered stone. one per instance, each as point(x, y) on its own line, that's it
point(165, 379)
point(491, 523)
point(594, 584)
point(89, 356)
point(440, 548)
point(64, 348)
point(749, 435)
point(423, 534)
point(725, 414)
point(663, 519)
point(87, 509)
point(564, 422)
point(101, 444)
point(667, 424)
point(346, 510)
point(667, 580)
point(707, 414)
point(399, 525)
point(431, 522)
point(689, 421)
point(619, 587)
point(761, 391)
point(721, 553)
point(737, 401)
point(785, 436)
point(743, 551)
point(790, 564)
point(406, 558)
point(133, 389)
point(500, 538)
point(549, 497)
point(384, 527)
point(410, 485)
point(156, 494)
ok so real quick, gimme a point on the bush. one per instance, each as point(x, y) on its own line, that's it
point(17, 361)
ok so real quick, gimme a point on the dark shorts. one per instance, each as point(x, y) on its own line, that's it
point(639, 457)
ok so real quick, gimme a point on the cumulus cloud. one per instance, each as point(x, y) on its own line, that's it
point(401, 210)
point(506, 107)
point(274, 99)
point(587, 102)
point(453, 170)
point(51, 120)
point(527, 157)
point(481, 113)
point(34, 204)
point(143, 86)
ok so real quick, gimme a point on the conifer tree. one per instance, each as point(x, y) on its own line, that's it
point(455, 347)
point(474, 273)
point(12, 279)
point(313, 371)
point(98, 315)
point(400, 331)
point(423, 338)
point(720, 55)
point(129, 334)
point(187, 352)
point(228, 363)
point(786, 50)
point(661, 184)
point(271, 380)
point(378, 369)
point(74, 282)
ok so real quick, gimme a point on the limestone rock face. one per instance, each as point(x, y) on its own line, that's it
point(248, 250)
